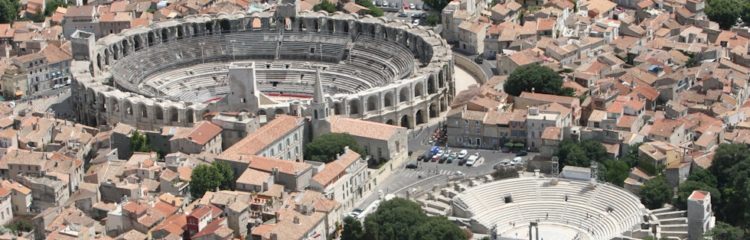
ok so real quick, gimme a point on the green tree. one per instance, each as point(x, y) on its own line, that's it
point(656, 192)
point(631, 155)
point(324, 148)
point(373, 10)
point(436, 228)
point(534, 77)
point(20, 225)
point(52, 5)
point(616, 172)
point(325, 5)
point(352, 229)
point(433, 19)
point(725, 12)
point(204, 178)
point(401, 219)
point(594, 150)
point(437, 5)
point(227, 174)
point(8, 11)
point(138, 142)
point(731, 167)
point(724, 231)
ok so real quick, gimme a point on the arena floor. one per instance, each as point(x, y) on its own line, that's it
point(547, 231)
point(463, 79)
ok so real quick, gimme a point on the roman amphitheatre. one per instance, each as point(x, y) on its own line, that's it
point(171, 73)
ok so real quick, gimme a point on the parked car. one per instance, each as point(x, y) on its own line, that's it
point(479, 59)
point(472, 160)
point(437, 156)
point(522, 153)
point(516, 161)
point(419, 6)
point(411, 6)
point(411, 166)
point(403, 14)
point(462, 154)
point(416, 21)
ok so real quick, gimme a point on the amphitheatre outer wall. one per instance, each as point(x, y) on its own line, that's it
point(411, 100)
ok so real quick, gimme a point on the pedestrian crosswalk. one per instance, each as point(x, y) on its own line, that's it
point(426, 172)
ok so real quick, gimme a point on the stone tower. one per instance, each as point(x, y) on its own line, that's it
point(318, 109)
point(700, 217)
point(244, 94)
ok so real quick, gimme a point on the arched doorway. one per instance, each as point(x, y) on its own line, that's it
point(372, 103)
point(419, 117)
point(418, 89)
point(354, 106)
point(405, 121)
point(403, 96)
point(338, 108)
point(388, 100)
point(390, 122)
point(433, 110)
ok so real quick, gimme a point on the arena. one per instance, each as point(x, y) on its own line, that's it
point(171, 73)
point(561, 209)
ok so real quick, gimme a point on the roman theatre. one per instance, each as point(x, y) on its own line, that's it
point(172, 73)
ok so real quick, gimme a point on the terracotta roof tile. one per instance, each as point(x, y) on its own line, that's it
point(363, 128)
point(263, 137)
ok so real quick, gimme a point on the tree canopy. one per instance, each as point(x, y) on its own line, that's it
point(534, 77)
point(210, 177)
point(724, 231)
point(433, 19)
point(8, 10)
point(731, 170)
point(52, 6)
point(325, 5)
point(324, 148)
point(581, 154)
point(656, 192)
point(726, 12)
point(352, 229)
point(401, 219)
point(373, 10)
point(138, 142)
point(437, 5)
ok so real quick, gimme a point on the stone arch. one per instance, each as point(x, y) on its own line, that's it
point(115, 51)
point(138, 43)
point(431, 85)
point(106, 57)
point(390, 122)
point(164, 35)
point(99, 61)
point(263, 113)
point(443, 104)
point(189, 116)
point(403, 95)
point(372, 103)
point(433, 110)
point(388, 100)
point(144, 110)
point(128, 108)
point(405, 121)
point(151, 37)
point(209, 28)
point(419, 117)
point(279, 111)
point(158, 112)
point(441, 79)
point(180, 32)
point(338, 108)
point(331, 26)
point(115, 105)
point(125, 48)
point(225, 25)
point(196, 29)
point(354, 106)
point(316, 25)
point(418, 89)
point(173, 115)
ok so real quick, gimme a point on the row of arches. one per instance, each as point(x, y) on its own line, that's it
point(136, 42)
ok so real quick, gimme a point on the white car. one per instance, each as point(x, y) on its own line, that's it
point(516, 160)
point(411, 5)
point(462, 154)
point(472, 160)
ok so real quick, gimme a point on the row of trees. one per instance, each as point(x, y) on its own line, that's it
point(726, 12)
point(217, 175)
point(537, 78)
point(401, 219)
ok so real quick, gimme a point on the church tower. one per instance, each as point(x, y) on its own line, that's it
point(244, 93)
point(318, 108)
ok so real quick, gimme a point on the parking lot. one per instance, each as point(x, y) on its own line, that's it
point(412, 11)
point(486, 163)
